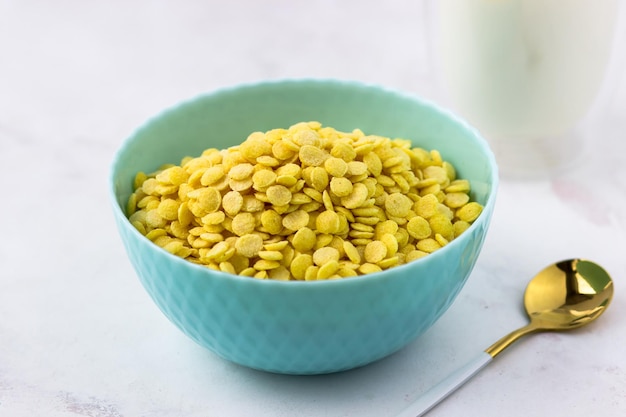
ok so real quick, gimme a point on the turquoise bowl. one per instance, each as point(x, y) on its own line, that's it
point(297, 327)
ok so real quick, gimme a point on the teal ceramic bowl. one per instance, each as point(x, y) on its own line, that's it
point(290, 326)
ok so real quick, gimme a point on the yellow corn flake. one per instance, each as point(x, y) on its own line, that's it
point(272, 222)
point(391, 242)
point(446, 211)
point(304, 136)
point(168, 209)
point(207, 200)
point(375, 251)
point(427, 206)
point(248, 272)
point(311, 273)
point(304, 239)
point(328, 201)
point(346, 272)
point(275, 246)
point(156, 233)
point(300, 264)
point(418, 228)
point(264, 265)
point(215, 218)
point(282, 151)
point(268, 161)
point(368, 220)
point(313, 194)
point(312, 155)
point(456, 200)
point(441, 240)
point(356, 168)
point(398, 205)
point(249, 245)
point(318, 178)
point(289, 170)
point(359, 234)
point(340, 186)
point(255, 146)
point(149, 186)
point(351, 252)
point(328, 269)
point(414, 255)
point(304, 203)
point(140, 177)
point(179, 231)
point(343, 150)
point(459, 227)
point(212, 237)
point(323, 240)
point(279, 274)
point(131, 205)
point(356, 198)
point(336, 167)
point(251, 204)
point(369, 268)
point(428, 245)
point(324, 255)
point(436, 157)
point(440, 224)
point(278, 195)
point(197, 231)
point(458, 186)
point(388, 226)
point(240, 185)
point(286, 180)
point(154, 220)
point(296, 220)
point(185, 252)
point(263, 179)
point(389, 262)
point(270, 255)
point(437, 173)
point(217, 251)
point(212, 175)
point(152, 204)
point(243, 223)
point(328, 222)
point(261, 275)
point(300, 198)
point(288, 254)
point(173, 246)
point(361, 227)
point(469, 212)
point(227, 267)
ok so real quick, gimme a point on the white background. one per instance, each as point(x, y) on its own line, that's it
point(80, 337)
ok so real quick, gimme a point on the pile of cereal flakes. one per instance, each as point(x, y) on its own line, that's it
point(304, 203)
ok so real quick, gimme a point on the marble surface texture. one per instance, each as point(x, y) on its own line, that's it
point(80, 337)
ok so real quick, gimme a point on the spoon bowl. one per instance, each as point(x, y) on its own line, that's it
point(566, 295)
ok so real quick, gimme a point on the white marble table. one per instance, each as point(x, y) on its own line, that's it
point(80, 337)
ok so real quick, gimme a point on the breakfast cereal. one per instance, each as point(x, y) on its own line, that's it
point(304, 203)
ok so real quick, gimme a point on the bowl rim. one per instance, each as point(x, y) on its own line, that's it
point(483, 220)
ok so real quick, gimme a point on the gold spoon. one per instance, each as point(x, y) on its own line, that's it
point(565, 295)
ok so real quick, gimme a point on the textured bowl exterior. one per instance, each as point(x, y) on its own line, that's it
point(303, 327)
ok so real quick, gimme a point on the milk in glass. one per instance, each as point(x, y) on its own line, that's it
point(525, 72)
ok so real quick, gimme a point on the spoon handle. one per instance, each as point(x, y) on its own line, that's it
point(436, 394)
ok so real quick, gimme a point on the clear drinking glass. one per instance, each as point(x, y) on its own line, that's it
point(525, 73)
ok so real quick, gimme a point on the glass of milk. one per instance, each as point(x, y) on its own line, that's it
point(525, 73)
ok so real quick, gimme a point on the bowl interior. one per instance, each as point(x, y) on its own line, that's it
point(227, 117)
